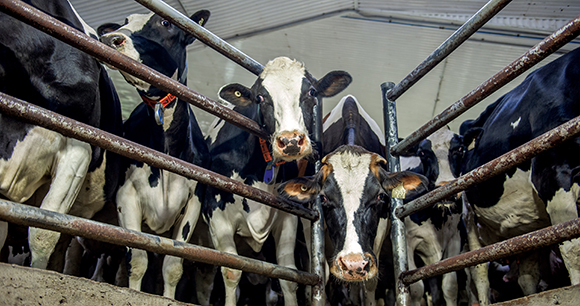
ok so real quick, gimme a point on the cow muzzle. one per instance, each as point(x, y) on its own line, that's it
point(114, 40)
point(354, 267)
point(291, 146)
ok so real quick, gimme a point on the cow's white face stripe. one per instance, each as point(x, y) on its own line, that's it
point(350, 172)
point(282, 78)
point(440, 144)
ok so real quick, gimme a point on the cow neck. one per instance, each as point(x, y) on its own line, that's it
point(160, 105)
point(270, 172)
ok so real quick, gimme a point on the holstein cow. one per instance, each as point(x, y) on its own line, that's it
point(355, 191)
point(39, 166)
point(435, 233)
point(159, 198)
point(281, 100)
point(536, 193)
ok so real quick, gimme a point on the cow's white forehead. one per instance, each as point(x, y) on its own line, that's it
point(282, 78)
point(350, 172)
point(136, 22)
point(440, 144)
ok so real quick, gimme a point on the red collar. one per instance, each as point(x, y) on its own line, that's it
point(266, 153)
point(164, 101)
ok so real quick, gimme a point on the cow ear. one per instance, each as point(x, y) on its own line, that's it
point(199, 17)
point(405, 184)
point(236, 94)
point(471, 137)
point(107, 28)
point(333, 83)
point(302, 190)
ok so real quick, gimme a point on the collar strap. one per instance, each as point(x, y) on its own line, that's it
point(266, 153)
point(164, 101)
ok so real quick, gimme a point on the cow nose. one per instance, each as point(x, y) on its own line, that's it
point(114, 40)
point(356, 265)
point(290, 143)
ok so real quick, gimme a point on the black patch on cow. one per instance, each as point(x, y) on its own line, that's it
point(154, 177)
point(334, 213)
point(366, 217)
point(245, 205)
point(186, 229)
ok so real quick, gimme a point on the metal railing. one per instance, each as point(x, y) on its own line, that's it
point(530, 241)
point(22, 214)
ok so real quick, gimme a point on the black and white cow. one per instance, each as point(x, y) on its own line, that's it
point(355, 191)
point(281, 100)
point(537, 193)
point(39, 166)
point(160, 199)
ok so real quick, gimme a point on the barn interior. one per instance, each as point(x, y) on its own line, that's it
point(375, 41)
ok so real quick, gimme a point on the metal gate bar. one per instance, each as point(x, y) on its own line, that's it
point(185, 23)
point(78, 130)
point(524, 243)
point(80, 40)
point(36, 217)
point(537, 53)
point(449, 45)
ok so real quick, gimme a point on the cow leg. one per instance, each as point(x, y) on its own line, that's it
point(563, 208)
point(478, 272)
point(449, 286)
point(173, 266)
point(416, 289)
point(529, 273)
point(285, 235)
point(222, 235)
point(69, 175)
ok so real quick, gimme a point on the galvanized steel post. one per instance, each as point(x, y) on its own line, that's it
point(403, 297)
point(317, 258)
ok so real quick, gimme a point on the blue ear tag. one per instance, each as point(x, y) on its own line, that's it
point(159, 113)
point(269, 173)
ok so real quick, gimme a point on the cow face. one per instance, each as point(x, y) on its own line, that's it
point(153, 41)
point(355, 192)
point(285, 94)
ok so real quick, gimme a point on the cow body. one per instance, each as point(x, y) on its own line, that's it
point(536, 193)
point(42, 167)
point(281, 100)
point(355, 192)
point(158, 198)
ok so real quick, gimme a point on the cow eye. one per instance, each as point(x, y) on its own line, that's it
point(323, 199)
point(259, 99)
point(382, 196)
point(312, 92)
point(165, 23)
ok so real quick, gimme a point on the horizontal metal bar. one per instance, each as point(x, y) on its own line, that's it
point(213, 41)
point(72, 128)
point(537, 53)
point(528, 242)
point(77, 39)
point(36, 217)
point(494, 167)
point(455, 40)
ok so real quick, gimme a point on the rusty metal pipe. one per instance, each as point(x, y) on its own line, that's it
point(36, 217)
point(448, 46)
point(531, 241)
point(80, 40)
point(533, 56)
point(497, 166)
point(213, 41)
point(78, 130)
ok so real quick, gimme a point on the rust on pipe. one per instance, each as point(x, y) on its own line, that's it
point(78, 130)
point(36, 217)
point(213, 41)
point(537, 53)
point(448, 46)
point(531, 241)
point(80, 40)
point(497, 166)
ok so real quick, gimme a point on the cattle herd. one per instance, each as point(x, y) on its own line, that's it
point(42, 168)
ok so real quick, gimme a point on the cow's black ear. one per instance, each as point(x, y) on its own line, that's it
point(199, 17)
point(404, 184)
point(107, 28)
point(333, 83)
point(236, 94)
point(302, 190)
point(471, 137)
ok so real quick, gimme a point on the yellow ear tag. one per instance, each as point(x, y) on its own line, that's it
point(238, 93)
point(303, 188)
point(201, 21)
point(399, 192)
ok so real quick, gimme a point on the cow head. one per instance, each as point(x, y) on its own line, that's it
point(153, 41)
point(285, 94)
point(355, 192)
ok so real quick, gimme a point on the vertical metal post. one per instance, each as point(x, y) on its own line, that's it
point(398, 237)
point(317, 234)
